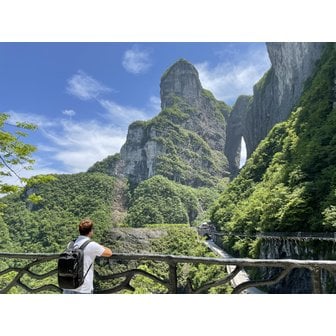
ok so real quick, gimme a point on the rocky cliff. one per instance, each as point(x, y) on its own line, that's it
point(235, 130)
point(299, 280)
point(274, 96)
point(185, 142)
point(133, 240)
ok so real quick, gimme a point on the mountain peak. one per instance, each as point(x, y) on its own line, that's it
point(181, 80)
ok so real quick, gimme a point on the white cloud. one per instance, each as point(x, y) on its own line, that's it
point(45, 148)
point(228, 80)
point(85, 87)
point(154, 105)
point(69, 147)
point(36, 119)
point(80, 145)
point(136, 60)
point(65, 146)
point(69, 113)
point(122, 115)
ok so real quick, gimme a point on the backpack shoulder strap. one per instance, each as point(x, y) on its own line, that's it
point(82, 248)
point(85, 244)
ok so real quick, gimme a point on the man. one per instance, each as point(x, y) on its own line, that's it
point(91, 251)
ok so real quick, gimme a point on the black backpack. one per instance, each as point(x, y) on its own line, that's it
point(71, 266)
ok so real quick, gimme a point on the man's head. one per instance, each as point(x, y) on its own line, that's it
point(86, 227)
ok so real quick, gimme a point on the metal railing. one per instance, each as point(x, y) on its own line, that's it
point(327, 236)
point(23, 269)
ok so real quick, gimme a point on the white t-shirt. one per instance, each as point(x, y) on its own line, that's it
point(91, 251)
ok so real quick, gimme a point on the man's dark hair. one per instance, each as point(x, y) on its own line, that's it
point(85, 226)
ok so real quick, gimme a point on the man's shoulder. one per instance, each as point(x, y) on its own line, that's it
point(79, 241)
point(96, 247)
point(94, 243)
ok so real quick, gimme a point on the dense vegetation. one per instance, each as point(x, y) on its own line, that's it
point(289, 183)
point(159, 200)
point(106, 166)
point(50, 224)
point(188, 158)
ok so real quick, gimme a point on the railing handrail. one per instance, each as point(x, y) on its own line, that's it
point(245, 262)
point(314, 266)
point(299, 235)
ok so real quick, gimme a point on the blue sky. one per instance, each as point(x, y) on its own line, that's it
point(83, 96)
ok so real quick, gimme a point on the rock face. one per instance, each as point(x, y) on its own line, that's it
point(299, 281)
point(133, 240)
point(180, 80)
point(236, 127)
point(186, 141)
point(274, 96)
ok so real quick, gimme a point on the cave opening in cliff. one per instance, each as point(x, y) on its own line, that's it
point(242, 153)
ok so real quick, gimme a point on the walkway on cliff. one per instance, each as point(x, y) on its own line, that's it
point(240, 277)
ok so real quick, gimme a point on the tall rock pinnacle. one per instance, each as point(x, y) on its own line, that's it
point(180, 80)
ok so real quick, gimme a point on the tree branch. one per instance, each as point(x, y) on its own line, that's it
point(10, 168)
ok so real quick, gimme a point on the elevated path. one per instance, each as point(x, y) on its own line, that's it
point(241, 277)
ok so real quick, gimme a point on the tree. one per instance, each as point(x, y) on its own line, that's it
point(16, 155)
point(14, 152)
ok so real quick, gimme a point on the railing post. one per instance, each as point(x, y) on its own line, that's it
point(316, 280)
point(172, 278)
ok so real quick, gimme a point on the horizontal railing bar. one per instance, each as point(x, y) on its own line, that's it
point(189, 259)
point(45, 256)
point(231, 261)
point(327, 236)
